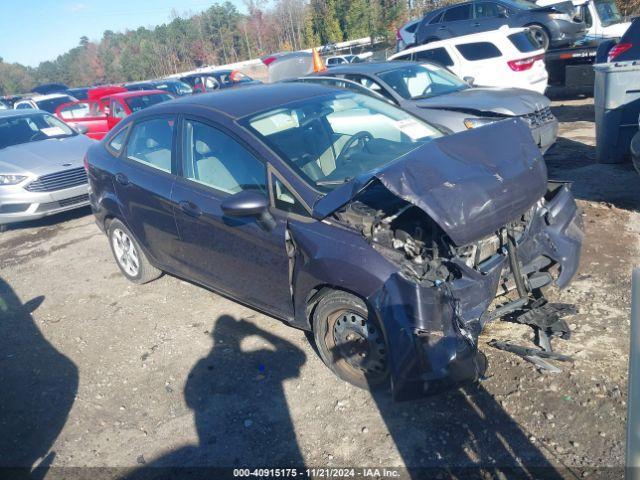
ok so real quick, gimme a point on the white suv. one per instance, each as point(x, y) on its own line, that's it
point(48, 103)
point(507, 57)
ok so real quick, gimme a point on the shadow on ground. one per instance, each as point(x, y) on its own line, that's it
point(574, 161)
point(243, 420)
point(237, 397)
point(38, 387)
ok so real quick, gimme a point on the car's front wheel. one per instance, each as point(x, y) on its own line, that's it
point(131, 260)
point(541, 35)
point(350, 342)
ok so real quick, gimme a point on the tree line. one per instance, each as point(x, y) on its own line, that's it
point(219, 35)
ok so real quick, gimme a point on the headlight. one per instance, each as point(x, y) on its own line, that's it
point(479, 122)
point(560, 16)
point(11, 179)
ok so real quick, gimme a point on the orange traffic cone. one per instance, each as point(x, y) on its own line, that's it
point(318, 64)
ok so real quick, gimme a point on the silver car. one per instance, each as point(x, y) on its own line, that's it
point(41, 166)
point(439, 97)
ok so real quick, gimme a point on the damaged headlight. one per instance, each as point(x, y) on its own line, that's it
point(479, 122)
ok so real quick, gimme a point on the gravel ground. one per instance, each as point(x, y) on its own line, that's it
point(98, 372)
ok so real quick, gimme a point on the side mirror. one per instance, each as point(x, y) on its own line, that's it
point(249, 203)
point(82, 129)
point(469, 80)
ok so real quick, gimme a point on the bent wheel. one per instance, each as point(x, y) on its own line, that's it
point(350, 343)
point(130, 258)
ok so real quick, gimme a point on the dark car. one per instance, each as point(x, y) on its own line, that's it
point(552, 25)
point(175, 87)
point(437, 96)
point(80, 93)
point(625, 50)
point(345, 216)
point(217, 80)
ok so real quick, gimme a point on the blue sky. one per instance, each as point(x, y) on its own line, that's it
point(32, 31)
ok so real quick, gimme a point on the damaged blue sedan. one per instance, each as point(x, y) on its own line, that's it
point(389, 239)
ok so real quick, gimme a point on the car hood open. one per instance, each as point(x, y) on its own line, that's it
point(471, 183)
point(501, 101)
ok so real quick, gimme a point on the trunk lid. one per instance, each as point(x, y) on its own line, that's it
point(471, 183)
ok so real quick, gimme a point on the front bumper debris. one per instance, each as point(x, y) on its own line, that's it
point(432, 331)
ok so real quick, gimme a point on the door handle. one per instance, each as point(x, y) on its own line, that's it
point(442, 28)
point(190, 209)
point(476, 24)
point(122, 179)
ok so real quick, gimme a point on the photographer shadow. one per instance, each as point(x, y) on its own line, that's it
point(237, 396)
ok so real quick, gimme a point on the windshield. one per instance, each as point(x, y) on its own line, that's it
point(32, 128)
point(329, 140)
point(608, 12)
point(51, 104)
point(419, 81)
point(143, 101)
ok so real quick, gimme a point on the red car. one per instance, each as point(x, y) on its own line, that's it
point(101, 113)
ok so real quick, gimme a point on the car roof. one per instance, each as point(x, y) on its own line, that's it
point(20, 113)
point(240, 102)
point(372, 68)
point(501, 33)
point(136, 93)
point(39, 98)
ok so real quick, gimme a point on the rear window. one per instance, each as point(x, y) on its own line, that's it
point(524, 41)
point(435, 55)
point(461, 12)
point(51, 104)
point(478, 50)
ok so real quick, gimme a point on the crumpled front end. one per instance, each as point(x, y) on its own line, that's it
point(434, 308)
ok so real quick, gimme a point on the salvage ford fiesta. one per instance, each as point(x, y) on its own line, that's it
point(338, 213)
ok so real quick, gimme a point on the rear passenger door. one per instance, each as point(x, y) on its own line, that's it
point(481, 60)
point(456, 21)
point(488, 16)
point(143, 180)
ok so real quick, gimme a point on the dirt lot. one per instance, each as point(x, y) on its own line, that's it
point(98, 372)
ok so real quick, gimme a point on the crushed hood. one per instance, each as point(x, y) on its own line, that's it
point(502, 101)
point(471, 183)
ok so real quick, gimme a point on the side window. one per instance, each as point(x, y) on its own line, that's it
point(486, 9)
point(479, 50)
point(370, 84)
point(285, 200)
point(211, 83)
point(436, 55)
point(117, 111)
point(150, 143)
point(117, 142)
point(454, 14)
point(214, 159)
point(23, 106)
point(437, 18)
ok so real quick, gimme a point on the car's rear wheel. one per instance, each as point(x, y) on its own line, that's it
point(350, 342)
point(541, 35)
point(131, 260)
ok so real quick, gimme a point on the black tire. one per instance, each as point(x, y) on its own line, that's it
point(367, 364)
point(144, 271)
point(541, 34)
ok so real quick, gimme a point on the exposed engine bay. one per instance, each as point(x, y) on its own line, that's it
point(406, 235)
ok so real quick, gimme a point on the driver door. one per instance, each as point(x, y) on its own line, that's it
point(88, 113)
point(237, 256)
